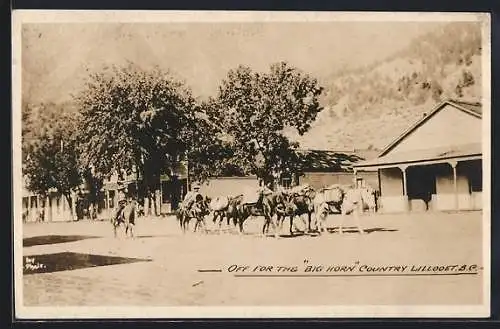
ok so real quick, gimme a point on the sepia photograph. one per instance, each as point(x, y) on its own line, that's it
point(193, 164)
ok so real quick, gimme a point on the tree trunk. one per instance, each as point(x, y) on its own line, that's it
point(68, 197)
point(150, 203)
point(155, 203)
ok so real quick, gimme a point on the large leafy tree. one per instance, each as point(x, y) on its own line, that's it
point(138, 121)
point(50, 159)
point(254, 111)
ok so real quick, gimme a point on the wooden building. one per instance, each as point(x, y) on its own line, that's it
point(322, 168)
point(436, 164)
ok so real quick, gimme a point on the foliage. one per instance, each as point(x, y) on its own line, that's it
point(254, 109)
point(50, 160)
point(139, 121)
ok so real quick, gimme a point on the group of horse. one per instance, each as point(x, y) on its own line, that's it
point(276, 206)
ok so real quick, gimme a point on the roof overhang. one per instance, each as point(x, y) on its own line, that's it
point(423, 157)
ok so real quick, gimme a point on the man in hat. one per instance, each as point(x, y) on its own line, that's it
point(190, 197)
point(122, 201)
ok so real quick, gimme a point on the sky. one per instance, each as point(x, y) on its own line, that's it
point(57, 58)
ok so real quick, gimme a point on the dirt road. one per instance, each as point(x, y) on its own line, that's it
point(168, 271)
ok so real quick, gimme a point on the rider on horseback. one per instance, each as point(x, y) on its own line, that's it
point(191, 197)
point(122, 202)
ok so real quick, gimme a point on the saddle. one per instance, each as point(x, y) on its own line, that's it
point(332, 194)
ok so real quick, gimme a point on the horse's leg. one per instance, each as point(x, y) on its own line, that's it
point(196, 225)
point(358, 221)
point(240, 224)
point(204, 224)
point(280, 220)
point(130, 226)
point(343, 215)
point(309, 222)
point(319, 222)
point(290, 229)
point(265, 226)
point(270, 221)
point(320, 217)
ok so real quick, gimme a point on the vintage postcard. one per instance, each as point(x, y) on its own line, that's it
point(192, 164)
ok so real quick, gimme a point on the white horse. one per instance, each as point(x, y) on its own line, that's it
point(346, 200)
point(354, 203)
point(324, 201)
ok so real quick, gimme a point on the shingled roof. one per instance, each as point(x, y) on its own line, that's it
point(328, 161)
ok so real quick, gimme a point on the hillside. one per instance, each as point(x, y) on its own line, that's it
point(369, 107)
point(366, 107)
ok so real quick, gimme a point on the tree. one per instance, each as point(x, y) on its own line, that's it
point(255, 109)
point(50, 160)
point(136, 120)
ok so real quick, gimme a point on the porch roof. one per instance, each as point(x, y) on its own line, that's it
point(432, 155)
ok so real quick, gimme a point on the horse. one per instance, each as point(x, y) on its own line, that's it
point(277, 207)
point(127, 216)
point(266, 205)
point(299, 204)
point(226, 207)
point(324, 201)
point(354, 202)
point(198, 210)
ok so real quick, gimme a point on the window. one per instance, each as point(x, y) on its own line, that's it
point(111, 199)
point(34, 203)
point(286, 182)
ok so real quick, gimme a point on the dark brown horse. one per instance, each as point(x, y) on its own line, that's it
point(299, 205)
point(268, 205)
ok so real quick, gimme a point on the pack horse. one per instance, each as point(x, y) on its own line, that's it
point(347, 201)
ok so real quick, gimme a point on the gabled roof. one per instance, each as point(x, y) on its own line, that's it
point(473, 109)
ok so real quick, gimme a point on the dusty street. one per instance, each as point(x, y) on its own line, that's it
point(167, 271)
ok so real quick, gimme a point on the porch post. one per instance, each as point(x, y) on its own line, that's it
point(355, 178)
point(403, 169)
point(453, 165)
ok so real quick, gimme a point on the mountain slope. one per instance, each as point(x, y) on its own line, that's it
point(369, 107)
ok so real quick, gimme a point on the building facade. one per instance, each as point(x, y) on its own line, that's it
point(434, 165)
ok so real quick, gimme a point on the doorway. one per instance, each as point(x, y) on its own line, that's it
point(421, 183)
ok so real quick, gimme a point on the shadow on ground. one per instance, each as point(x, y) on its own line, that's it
point(66, 261)
point(53, 239)
point(354, 229)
